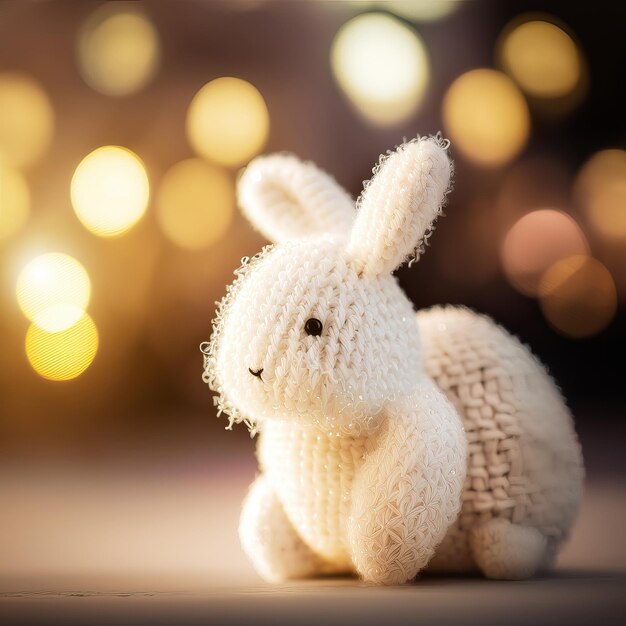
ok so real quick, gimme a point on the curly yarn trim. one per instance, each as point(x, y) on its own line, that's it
point(210, 348)
point(444, 144)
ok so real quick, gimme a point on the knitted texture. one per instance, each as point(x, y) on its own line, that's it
point(524, 461)
point(367, 465)
point(286, 198)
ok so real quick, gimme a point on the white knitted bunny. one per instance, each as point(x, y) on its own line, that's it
point(386, 444)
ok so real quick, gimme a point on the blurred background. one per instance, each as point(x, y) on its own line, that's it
point(123, 126)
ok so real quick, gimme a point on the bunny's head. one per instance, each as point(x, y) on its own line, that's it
point(315, 328)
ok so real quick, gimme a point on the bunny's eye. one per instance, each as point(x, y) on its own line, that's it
point(313, 327)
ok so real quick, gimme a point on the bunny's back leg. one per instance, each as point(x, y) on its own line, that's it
point(507, 551)
point(269, 539)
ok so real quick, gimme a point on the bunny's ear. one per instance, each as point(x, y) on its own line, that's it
point(399, 205)
point(285, 198)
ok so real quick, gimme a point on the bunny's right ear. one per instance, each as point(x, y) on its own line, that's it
point(285, 198)
point(399, 205)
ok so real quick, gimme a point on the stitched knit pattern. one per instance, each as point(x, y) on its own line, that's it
point(524, 460)
point(295, 199)
point(399, 205)
point(335, 379)
point(312, 470)
point(353, 526)
point(407, 493)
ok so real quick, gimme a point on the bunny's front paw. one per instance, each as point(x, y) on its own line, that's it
point(408, 491)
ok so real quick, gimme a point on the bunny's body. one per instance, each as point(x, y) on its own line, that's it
point(524, 464)
point(385, 443)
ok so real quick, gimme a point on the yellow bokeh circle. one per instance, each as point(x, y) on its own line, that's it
point(65, 354)
point(600, 189)
point(421, 10)
point(110, 190)
point(14, 201)
point(536, 241)
point(26, 119)
point(118, 49)
point(578, 296)
point(541, 57)
point(53, 290)
point(486, 117)
point(382, 66)
point(228, 121)
point(195, 203)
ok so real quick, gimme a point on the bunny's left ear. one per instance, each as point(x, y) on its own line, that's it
point(399, 205)
point(285, 198)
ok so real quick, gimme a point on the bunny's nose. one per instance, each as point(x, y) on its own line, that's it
point(256, 373)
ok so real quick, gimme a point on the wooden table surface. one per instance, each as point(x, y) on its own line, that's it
point(157, 544)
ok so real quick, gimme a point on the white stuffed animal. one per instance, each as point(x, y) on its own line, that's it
point(387, 442)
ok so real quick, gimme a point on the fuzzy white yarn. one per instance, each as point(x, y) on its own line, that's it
point(367, 465)
point(286, 198)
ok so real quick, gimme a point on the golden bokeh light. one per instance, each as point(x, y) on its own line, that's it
point(535, 242)
point(14, 201)
point(541, 57)
point(65, 354)
point(600, 189)
point(486, 117)
point(118, 49)
point(26, 119)
point(421, 10)
point(382, 67)
point(53, 291)
point(110, 190)
point(578, 296)
point(195, 203)
point(228, 121)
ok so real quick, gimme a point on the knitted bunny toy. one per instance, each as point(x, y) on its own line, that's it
point(387, 442)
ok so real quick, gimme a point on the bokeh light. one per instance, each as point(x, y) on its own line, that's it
point(26, 119)
point(537, 241)
point(228, 121)
point(65, 354)
point(486, 117)
point(600, 189)
point(14, 201)
point(118, 49)
point(421, 10)
point(382, 66)
point(195, 203)
point(110, 190)
point(541, 57)
point(53, 291)
point(578, 296)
